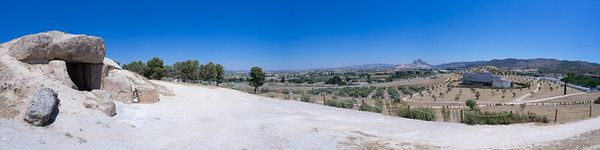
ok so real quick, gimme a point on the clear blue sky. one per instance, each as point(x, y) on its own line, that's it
point(280, 34)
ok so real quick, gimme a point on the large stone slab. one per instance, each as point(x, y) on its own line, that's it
point(120, 87)
point(147, 94)
point(47, 46)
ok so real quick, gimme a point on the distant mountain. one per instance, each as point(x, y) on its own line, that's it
point(369, 66)
point(417, 64)
point(356, 67)
point(543, 65)
point(461, 65)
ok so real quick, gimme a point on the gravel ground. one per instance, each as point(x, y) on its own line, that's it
point(215, 118)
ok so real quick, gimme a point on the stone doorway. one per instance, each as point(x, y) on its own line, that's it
point(85, 76)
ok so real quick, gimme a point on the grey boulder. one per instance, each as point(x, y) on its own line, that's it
point(43, 107)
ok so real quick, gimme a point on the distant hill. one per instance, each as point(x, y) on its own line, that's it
point(417, 64)
point(543, 65)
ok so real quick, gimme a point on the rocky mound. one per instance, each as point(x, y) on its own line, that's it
point(75, 67)
point(417, 64)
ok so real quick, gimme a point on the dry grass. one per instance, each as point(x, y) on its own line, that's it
point(577, 98)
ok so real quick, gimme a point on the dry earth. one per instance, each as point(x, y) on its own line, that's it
point(214, 118)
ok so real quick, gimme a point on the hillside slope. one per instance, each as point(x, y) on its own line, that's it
point(216, 118)
point(543, 65)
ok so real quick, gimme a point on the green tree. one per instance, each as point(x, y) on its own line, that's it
point(202, 73)
point(136, 66)
point(335, 80)
point(597, 101)
point(187, 70)
point(154, 69)
point(583, 80)
point(209, 72)
point(220, 71)
point(169, 71)
point(471, 104)
point(282, 79)
point(257, 78)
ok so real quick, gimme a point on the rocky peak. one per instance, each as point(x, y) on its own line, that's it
point(420, 62)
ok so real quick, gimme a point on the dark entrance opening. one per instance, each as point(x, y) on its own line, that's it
point(85, 76)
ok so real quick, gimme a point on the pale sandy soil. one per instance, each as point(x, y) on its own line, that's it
point(215, 118)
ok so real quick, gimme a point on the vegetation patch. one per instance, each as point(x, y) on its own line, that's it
point(358, 92)
point(503, 118)
point(348, 104)
point(420, 113)
point(306, 98)
point(582, 80)
point(394, 94)
point(445, 114)
point(379, 94)
point(371, 108)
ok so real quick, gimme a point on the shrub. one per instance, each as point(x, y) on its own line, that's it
point(332, 103)
point(348, 104)
point(445, 114)
point(306, 98)
point(336, 80)
point(367, 107)
point(379, 94)
point(494, 118)
point(416, 113)
point(597, 101)
point(471, 104)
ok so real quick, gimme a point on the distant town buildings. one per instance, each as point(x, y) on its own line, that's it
point(485, 79)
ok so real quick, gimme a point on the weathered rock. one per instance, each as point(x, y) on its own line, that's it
point(107, 66)
point(139, 80)
point(47, 46)
point(111, 64)
point(43, 107)
point(147, 94)
point(100, 100)
point(119, 86)
point(58, 71)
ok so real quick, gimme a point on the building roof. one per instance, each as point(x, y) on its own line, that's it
point(478, 76)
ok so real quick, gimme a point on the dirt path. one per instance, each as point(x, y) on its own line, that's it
point(216, 118)
point(518, 100)
point(551, 98)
